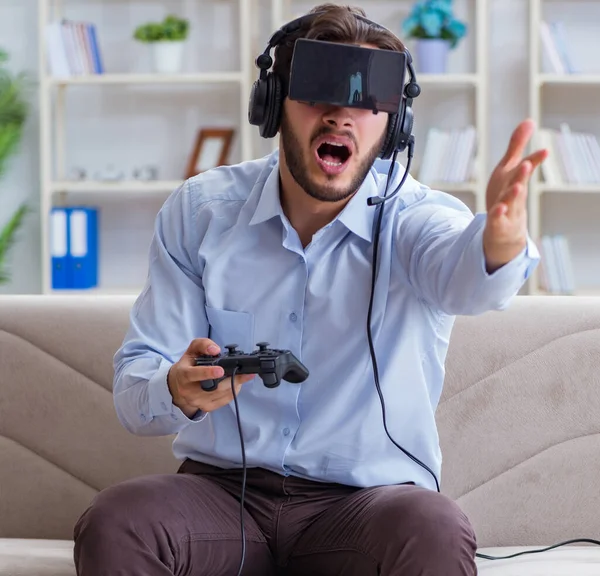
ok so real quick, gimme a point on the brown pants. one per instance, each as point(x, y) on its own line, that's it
point(189, 524)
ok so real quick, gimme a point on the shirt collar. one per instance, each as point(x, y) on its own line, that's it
point(357, 216)
point(268, 205)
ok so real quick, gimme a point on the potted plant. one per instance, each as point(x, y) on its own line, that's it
point(167, 39)
point(432, 24)
point(13, 114)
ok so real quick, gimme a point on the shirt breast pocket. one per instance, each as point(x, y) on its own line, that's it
point(231, 327)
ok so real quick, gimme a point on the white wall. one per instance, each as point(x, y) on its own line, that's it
point(117, 126)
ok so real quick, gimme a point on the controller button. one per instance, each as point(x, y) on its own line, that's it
point(267, 364)
point(269, 379)
point(262, 346)
point(231, 348)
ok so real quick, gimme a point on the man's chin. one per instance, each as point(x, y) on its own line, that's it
point(331, 189)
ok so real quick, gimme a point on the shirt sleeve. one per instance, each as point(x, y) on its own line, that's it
point(440, 245)
point(166, 317)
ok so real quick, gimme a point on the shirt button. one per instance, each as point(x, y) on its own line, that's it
point(163, 405)
point(143, 417)
point(301, 259)
point(286, 431)
point(293, 317)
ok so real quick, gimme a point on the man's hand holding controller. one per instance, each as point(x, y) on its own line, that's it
point(184, 380)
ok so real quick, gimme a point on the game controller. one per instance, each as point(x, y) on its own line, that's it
point(271, 365)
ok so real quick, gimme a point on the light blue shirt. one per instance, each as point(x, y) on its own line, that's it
point(225, 263)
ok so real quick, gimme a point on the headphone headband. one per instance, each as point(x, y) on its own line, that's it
point(266, 99)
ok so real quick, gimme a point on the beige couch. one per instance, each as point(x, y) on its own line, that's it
point(519, 424)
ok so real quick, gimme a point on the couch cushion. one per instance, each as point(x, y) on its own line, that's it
point(563, 561)
point(36, 557)
point(55, 558)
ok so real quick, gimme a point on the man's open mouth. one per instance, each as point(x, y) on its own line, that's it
point(333, 154)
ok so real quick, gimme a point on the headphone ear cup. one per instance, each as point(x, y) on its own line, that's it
point(406, 130)
point(390, 137)
point(258, 103)
point(273, 107)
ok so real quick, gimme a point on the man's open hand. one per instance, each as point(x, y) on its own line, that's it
point(505, 234)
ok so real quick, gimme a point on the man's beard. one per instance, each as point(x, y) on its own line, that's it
point(297, 164)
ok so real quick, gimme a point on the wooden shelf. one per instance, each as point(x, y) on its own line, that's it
point(108, 291)
point(123, 186)
point(570, 188)
point(449, 79)
point(455, 186)
point(167, 79)
point(557, 79)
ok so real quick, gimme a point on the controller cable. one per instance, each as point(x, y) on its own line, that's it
point(239, 424)
point(380, 200)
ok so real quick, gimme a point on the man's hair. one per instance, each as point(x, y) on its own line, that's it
point(336, 23)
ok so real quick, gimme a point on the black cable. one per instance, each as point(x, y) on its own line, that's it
point(587, 540)
point(374, 201)
point(239, 423)
point(377, 201)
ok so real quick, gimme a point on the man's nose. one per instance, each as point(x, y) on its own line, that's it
point(338, 117)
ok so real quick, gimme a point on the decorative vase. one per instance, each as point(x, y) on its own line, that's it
point(168, 56)
point(432, 55)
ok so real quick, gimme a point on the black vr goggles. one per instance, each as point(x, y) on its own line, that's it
point(338, 74)
point(347, 75)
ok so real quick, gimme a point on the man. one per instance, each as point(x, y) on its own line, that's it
point(280, 250)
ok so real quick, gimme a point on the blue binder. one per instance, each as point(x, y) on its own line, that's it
point(59, 247)
point(74, 247)
point(83, 247)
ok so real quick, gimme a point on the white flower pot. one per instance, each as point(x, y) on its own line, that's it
point(432, 55)
point(168, 56)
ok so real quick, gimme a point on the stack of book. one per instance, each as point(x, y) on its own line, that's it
point(574, 157)
point(73, 49)
point(556, 56)
point(556, 272)
point(448, 155)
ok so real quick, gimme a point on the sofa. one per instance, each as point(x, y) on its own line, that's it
point(519, 422)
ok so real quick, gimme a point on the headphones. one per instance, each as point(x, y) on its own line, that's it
point(266, 97)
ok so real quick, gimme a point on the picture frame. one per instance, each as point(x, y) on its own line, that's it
point(211, 149)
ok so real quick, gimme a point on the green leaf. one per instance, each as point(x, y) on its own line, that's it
point(14, 110)
point(8, 237)
point(171, 28)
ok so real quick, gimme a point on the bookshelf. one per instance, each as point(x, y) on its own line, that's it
point(128, 206)
point(564, 197)
point(451, 101)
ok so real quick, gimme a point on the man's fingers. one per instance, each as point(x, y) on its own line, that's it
point(518, 142)
point(512, 203)
point(200, 346)
point(521, 173)
point(537, 158)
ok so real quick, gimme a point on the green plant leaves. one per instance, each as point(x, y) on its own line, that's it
point(432, 19)
point(171, 29)
point(14, 110)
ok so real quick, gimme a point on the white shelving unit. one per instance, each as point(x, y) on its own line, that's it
point(55, 188)
point(466, 82)
point(565, 208)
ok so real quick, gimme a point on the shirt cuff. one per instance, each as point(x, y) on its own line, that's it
point(527, 259)
point(160, 399)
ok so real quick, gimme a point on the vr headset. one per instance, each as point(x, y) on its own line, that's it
point(340, 75)
point(347, 75)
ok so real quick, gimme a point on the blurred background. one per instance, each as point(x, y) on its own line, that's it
point(106, 106)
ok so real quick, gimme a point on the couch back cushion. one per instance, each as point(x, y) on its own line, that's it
point(517, 419)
